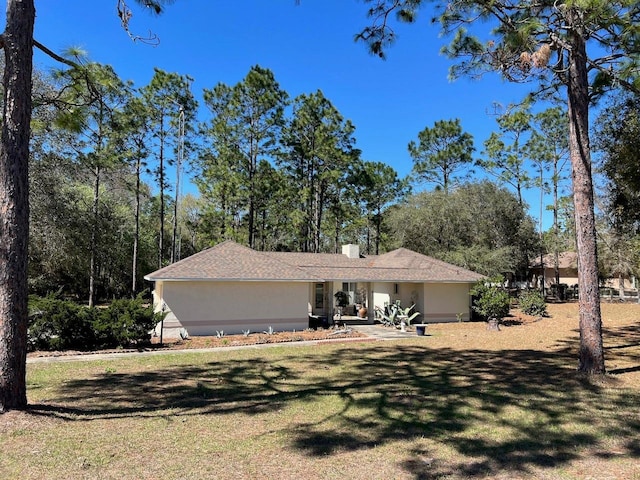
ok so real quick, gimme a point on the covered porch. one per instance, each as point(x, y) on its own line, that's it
point(363, 297)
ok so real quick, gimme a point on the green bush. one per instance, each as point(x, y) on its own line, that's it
point(56, 324)
point(125, 322)
point(532, 303)
point(490, 300)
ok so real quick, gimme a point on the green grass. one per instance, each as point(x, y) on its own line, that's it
point(414, 409)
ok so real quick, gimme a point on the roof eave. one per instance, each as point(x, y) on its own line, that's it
point(204, 279)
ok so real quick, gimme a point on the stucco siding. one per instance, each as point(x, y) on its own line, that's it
point(443, 302)
point(382, 294)
point(567, 276)
point(408, 294)
point(204, 308)
point(412, 294)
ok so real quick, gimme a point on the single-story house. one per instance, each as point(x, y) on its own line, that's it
point(567, 269)
point(233, 288)
point(568, 273)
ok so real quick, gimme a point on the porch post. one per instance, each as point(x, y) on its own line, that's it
point(370, 305)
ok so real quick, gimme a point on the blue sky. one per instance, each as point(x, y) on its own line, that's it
point(308, 46)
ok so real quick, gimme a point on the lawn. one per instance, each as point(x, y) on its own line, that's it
point(459, 403)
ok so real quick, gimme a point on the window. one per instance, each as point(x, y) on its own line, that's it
point(319, 295)
point(396, 288)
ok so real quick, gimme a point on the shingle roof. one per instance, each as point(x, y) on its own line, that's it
point(401, 265)
point(230, 261)
point(565, 260)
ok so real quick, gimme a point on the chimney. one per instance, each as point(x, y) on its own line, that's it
point(351, 251)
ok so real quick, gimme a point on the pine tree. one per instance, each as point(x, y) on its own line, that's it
point(17, 42)
point(546, 43)
point(442, 152)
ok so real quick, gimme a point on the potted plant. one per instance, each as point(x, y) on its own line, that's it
point(361, 302)
point(421, 329)
point(342, 300)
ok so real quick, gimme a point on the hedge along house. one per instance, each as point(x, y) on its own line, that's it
point(233, 288)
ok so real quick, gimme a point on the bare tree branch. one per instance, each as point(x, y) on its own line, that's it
point(125, 14)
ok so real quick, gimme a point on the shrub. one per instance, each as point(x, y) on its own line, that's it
point(490, 300)
point(532, 303)
point(56, 324)
point(59, 325)
point(126, 322)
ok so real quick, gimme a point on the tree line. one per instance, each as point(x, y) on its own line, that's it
point(273, 173)
point(106, 158)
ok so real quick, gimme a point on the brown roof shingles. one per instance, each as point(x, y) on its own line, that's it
point(565, 260)
point(230, 261)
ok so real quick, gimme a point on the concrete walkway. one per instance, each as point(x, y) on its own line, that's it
point(382, 333)
point(372, 332)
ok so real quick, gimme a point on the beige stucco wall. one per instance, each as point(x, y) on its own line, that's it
point(624, 282)
point(444, 301)
point(206, 307)
point(567, 276)
point(408, 294)
point(382, 293)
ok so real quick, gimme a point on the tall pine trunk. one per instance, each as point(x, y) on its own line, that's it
point(94, 236)
point(174, 235)
point(175, 251)
point(14, 202)
point(378, 228)
point(136, 236)
point(161, 185)
point(253, 167)
point(556, 229)
point(591, 358)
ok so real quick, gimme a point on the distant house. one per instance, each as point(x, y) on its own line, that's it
point(567, 268)
point(233, 288)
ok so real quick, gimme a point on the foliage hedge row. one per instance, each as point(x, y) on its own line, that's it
point(56, 324)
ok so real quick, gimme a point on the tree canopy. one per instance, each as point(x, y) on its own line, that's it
point(617, 138)
point(479, 226)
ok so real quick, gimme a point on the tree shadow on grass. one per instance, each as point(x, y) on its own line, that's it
point(621, 344)
point(511, 410)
